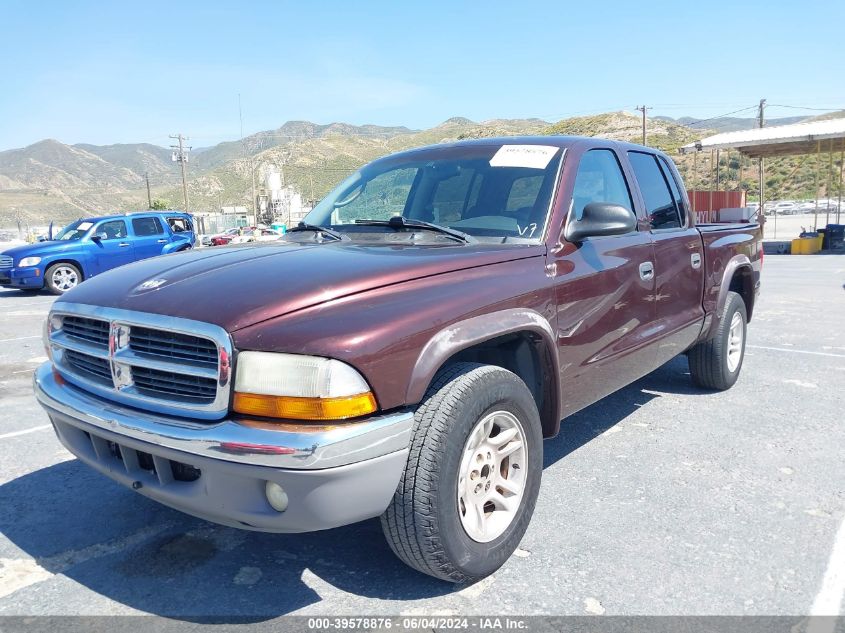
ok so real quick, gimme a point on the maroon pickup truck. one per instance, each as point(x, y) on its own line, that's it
point(404, 351)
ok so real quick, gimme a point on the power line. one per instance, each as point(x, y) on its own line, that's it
point(780, 105)
point(721, 116)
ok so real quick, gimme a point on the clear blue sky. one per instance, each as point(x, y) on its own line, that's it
point(107, 72)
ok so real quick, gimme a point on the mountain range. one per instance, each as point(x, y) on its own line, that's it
point(50, 180)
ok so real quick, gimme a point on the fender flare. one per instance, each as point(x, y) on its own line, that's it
point(734, 264)
point(469, 332)
point(712, 319)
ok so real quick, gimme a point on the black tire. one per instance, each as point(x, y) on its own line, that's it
point(422, 523)
point(708, 361)
point(52, 286)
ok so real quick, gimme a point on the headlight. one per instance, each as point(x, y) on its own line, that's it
point(51, 324)
point(29, 261)
point(300, 387)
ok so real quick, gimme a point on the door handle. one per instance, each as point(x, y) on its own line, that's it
point(646, 270)
point(162, 241)
point(695, 260)
point(124, 244)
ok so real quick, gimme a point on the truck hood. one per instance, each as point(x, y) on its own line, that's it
point(235, 287)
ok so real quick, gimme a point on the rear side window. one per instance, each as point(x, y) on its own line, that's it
point(179, 225)
point(599, 179)
point(660, 206)
point(147, 226)
point(524, 192)
point(676, 193)
point(453, 195)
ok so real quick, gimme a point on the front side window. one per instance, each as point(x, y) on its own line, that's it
point(146, 226)
point(491, 192)
point(599, 179)
point(111, 230)
point(660, 206)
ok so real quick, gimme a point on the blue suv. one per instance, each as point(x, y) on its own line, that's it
point(91, 246)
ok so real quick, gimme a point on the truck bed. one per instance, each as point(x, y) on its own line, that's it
point(714, 227)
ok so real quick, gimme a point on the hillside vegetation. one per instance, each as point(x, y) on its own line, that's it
point(53, 181)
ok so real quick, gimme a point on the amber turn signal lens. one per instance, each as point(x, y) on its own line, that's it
point(294, 408)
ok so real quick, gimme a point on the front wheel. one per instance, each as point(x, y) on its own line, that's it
point(473, 474)
point(62, 277)
point(716, 363)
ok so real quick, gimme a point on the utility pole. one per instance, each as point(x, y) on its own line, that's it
point(762, 169)
point(717, 170)
point(251, 160)
point(643, 109)
point(149, 197)
point(180, 155)
point(252, 177)
point(311, 179)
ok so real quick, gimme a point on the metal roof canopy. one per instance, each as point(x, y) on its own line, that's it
point(780, 140)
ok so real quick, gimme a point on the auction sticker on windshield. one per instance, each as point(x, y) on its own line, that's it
point(532, 156)
point(84, 226)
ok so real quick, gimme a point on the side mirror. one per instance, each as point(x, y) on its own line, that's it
point(98, 237)
point(600, 219)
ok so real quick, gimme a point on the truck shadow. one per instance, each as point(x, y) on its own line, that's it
point(128, 549)
point(589, 423)
point(133, 551)
point(13, 294)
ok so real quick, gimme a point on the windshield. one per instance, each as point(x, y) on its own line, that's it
point(74, 231)
point(492, 192)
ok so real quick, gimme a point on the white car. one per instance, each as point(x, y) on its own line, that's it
point(258, 235)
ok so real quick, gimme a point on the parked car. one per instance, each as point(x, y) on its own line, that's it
point(91, 246)
point(209, 240)
point(229, 235)
point(404, 351)
point(256, 235)
point(786, 208)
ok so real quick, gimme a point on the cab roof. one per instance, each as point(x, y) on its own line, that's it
point(117, 216)
point(566, 142)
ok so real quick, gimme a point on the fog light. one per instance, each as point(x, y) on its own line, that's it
point(276, 496)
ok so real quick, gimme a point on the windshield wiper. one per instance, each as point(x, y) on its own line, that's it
point(400, 222)
point(323, 230)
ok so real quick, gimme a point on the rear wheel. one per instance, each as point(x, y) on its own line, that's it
point(716, 363)
point(62, 277)
point(473, 473)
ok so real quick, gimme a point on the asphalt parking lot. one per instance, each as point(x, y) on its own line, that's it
point(661, 499)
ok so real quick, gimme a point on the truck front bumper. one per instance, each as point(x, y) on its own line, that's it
point(29, 277)
point(332, 475)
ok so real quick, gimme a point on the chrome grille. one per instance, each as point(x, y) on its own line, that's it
point(157, 382)
point(172, 345)
point(6, 261)
point(96, 367)
point(91, 330)
point(154, 362)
